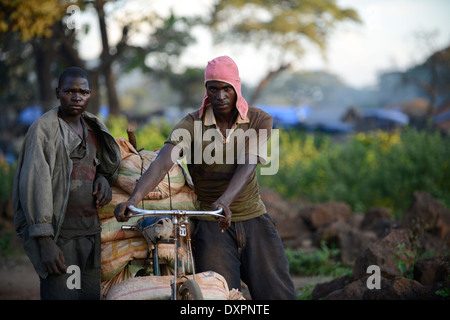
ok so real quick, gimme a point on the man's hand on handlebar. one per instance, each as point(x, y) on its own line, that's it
point(121, 211)
point(224, 223)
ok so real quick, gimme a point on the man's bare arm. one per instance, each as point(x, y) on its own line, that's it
point(238, 182)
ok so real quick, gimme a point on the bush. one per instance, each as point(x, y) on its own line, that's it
point(151, 136)
point(371, 169)
point(379, 168)
point(6, 180)
point(320, 262)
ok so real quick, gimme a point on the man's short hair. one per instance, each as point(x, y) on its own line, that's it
point(72, 72)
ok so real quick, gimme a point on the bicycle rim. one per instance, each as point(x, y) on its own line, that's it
point(190, 290)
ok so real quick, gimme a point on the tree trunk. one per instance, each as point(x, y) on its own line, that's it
point(265, 81)
point(43, 61)
point(94, 102)
point(106, 62)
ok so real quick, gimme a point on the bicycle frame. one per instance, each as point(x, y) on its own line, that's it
point(180, 229)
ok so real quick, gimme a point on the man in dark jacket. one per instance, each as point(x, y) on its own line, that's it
point(66, 166)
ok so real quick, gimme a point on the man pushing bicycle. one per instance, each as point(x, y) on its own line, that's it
point(223, 142)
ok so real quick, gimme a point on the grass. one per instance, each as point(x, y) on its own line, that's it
point(315, 267)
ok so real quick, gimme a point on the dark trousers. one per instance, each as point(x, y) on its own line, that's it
point(250, 250)
point(83, 252)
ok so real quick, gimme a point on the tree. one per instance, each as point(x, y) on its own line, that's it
point(283, 26)
point(25, 30)
point(30, 18)
point(432, 76)
point(43, 25)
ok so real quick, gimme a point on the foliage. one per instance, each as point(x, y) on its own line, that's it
point(38, 39)
point(153, 137)
point(305, 292)
point(444, 293)
point(31, 18)
point(283, 25)
point(372, 169)
point(399, 258)
point(320, 262)
point(6, 179)
point(150, 137)
point(5, 241)
point(283, 28)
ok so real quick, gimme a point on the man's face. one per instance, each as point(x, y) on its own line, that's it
point(221, 95)
point(73, 95)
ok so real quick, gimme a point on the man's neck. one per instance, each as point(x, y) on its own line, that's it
point(73, 121)
point(226, 120)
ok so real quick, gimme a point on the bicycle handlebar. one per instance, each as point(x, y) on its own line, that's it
point(141, 212)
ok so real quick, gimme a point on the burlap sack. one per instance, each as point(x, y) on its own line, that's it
point(185, 199)
point(135, 163)
point(212, 285)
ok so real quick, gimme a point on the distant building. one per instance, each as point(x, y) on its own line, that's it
point(375, 118)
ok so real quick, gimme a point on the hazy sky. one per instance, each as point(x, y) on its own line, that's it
point(387, 39)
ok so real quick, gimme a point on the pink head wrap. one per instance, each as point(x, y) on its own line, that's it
point(225, 69)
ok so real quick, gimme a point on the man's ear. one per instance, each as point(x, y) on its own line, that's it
point(57, 93)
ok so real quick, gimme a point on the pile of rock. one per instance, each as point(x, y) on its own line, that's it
point(429, 280)
point(374, 239)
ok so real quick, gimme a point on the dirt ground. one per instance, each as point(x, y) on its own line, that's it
point(19, 281)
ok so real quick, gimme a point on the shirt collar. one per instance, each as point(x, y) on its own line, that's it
point(210, 119)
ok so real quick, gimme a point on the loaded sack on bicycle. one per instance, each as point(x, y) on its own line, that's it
point(138, 260)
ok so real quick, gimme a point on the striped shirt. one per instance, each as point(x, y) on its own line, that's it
point(81, 216)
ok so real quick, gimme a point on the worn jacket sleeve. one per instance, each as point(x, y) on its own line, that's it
point(34, 182)
point(108, 151)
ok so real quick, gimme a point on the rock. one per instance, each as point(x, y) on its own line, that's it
point(353, 291)
point(431, 270)
point(346, 288)
point(350, 240)
point(426, 214)
point(277, 207)
point(392, 254)
point(355, 220)
point(374, 214)
point(294, 233)
point(379, 221)
point(423, 213)
point(391, 247)
point(428, 243)
point(319, 215)
point(399, 289)
point(353, 243)
point(321, 290)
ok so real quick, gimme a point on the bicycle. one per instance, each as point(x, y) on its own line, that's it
point(189, 289)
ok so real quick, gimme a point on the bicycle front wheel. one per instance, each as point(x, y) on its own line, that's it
point(190, 290)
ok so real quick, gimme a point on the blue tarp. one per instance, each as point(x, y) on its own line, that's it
point(103, 112)
point(392, 115)
point(441, 117)
point(335, 127)
point(30, 114)
point(287, 116)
